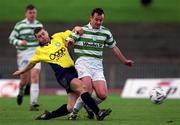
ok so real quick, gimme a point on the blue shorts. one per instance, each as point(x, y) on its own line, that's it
point(64, 75)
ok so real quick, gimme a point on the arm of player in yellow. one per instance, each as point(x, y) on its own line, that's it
point(69, 41)
point(76, 33)
point(28, 67)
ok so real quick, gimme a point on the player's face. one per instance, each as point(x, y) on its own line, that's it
point(31, 14)
point(43, 36)
point(96, 20)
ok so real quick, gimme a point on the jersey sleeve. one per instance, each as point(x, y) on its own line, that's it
point(110, 42)
point(73, 36)
point(66, 34)
point(13, 38)
point(62, 35)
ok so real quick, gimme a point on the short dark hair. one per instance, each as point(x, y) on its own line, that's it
point(99, 11)
point(37, 29)
point(30, 7)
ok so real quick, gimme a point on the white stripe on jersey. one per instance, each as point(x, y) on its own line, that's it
point(98, 53)
point(98, 37)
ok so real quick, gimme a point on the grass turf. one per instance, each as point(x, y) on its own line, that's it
point(125, 112)
point(116, 10)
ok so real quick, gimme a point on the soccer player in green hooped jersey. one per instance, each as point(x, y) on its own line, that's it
point(88, 49)
point(53, 51)
point(22, 37)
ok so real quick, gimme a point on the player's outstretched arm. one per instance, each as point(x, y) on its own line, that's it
point(28, 67)
point(77, 29)
point(76, 33)
point(117, 52)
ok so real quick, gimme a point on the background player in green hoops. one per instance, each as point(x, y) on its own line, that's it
point(89, 51)
point(22, 37)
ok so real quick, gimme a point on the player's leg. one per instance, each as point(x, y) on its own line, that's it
point(62, 110)
point(24, 79)
point(84, 73)
point(99, 84)
point(64, 77)
point(87, 82)
point(100, 88)
point(79, 103)
point(77, 106)
point(34, 90)
point(77, 86)
point(66, 108)
point(70, 81)
point(101, 91)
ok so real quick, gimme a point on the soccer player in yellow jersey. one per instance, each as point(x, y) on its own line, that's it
point(53, 51)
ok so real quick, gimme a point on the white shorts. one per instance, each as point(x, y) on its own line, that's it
point(24, 57)
point(89, 66)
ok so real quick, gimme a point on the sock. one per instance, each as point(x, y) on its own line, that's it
point(21, 90)
point(88, 100)
point(96, 99)
point(61, 111)
point(34, 93)
point(78, 105)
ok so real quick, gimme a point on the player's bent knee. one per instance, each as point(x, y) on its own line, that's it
point(102, 96)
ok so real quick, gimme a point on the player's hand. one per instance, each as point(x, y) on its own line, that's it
point(79, 30)
point(18, 72)
point(129, 62)
point(23, 42)
point(69, 42)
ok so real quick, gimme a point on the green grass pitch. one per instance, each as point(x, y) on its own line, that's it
point(73, 10)
point(125, 112)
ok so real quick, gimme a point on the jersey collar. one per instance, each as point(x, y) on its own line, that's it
point(27, 21)
point(90, 27)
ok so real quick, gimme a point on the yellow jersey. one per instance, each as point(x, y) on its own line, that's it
point(55, 52)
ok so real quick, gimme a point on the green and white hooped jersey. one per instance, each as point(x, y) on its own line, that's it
point(24, 30)
point(92, 42)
